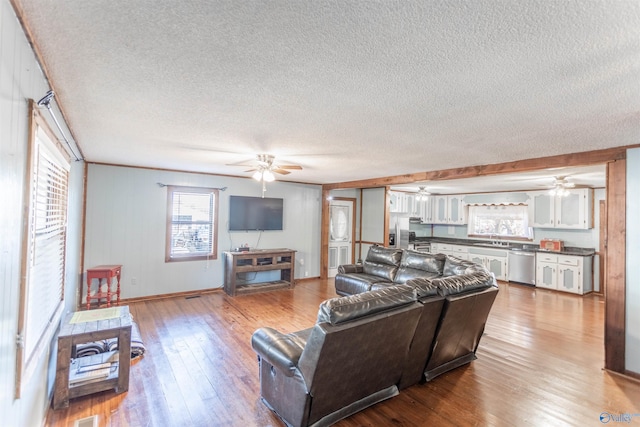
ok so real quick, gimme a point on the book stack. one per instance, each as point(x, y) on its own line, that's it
point(84, 374)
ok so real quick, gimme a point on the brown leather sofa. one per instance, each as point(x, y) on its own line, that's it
point(353, 357)
point(386, 267)
point(366, 347)
point(468, 290)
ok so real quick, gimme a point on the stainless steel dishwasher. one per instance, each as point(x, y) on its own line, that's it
point(522, 267)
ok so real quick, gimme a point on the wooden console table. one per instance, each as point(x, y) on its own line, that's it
point(89, 326)
point(256, 261)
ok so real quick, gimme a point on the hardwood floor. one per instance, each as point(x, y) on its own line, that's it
point(539, 364)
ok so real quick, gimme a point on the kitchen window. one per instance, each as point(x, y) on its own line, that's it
point(192, 223)
point(500, 221)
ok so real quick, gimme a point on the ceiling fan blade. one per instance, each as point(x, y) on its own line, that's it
point(242, 163)
point(292, 167)
point(251, 170)
point(280, 171)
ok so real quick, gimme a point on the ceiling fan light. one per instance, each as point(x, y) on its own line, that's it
point(423, 194)
point(268, 176)
point(257, 176)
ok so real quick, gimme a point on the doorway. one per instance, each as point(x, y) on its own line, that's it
point(341, 233)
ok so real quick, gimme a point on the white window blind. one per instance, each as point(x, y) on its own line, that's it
point(42, 290)
point(191, 225)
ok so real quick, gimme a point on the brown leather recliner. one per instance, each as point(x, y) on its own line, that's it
point(352, 358)
point(469, 291)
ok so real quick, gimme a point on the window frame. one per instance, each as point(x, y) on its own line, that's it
point(472, 216)
point(213, 214)
point(29, 349)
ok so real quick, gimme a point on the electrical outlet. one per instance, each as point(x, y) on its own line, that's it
point(134, 281)
point(301, 261)
point(306, 274)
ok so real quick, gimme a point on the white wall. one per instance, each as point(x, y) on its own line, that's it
point(126, 223)
point(632, 339)
point(20, 80)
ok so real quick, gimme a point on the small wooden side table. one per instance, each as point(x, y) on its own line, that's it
point(89, 326)
point(101, 272)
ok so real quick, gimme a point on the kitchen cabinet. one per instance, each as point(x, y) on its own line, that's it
point(401, 202)
point(457, 251)
point(424, 210)
point(569, 212)
point(449, 210)
point(495, 260)
point(564, 273)
point(547, 271)
point(461, 252)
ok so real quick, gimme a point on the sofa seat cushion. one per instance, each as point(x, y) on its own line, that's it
point(343, 309)
point(356, 283)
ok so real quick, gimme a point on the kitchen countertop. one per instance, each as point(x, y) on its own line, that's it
point(527, 247)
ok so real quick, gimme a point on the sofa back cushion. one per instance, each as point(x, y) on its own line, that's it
point(343, 309)
point(382, 262)
point(416, 264)
point(464, 283)
point(454, 266)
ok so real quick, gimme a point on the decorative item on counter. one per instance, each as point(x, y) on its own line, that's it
point(554, 245)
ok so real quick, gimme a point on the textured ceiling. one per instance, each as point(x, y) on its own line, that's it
point(349, 90)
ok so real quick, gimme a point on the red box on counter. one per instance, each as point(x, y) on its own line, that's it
point(551, 245)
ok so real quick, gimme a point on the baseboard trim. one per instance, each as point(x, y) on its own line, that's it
point(171, 295)
point(124, 301)
point(630, 375)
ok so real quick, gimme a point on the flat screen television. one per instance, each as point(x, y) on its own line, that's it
point(255, 213)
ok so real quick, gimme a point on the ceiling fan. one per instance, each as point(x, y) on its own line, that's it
point(264, 169)
point(561, 186)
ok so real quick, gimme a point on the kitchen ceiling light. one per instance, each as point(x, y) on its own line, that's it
point(422, 194)
point(268, 176)
point(560, 187)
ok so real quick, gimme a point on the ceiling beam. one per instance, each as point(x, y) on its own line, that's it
point(563, 160)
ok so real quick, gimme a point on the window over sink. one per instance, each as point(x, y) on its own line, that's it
point(499, 222)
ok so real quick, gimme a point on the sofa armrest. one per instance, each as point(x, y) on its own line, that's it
point(350, 268)
point(280, 350)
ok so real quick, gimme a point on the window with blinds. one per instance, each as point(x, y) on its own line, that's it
point(191, 223)
point(42, 288)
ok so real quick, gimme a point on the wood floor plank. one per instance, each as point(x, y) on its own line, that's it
point(539, 363)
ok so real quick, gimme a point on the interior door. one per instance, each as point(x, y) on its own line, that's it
point(340, 234)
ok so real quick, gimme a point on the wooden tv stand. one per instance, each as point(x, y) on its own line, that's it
point(256, 261)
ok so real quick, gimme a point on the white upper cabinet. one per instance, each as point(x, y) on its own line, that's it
point(449, 210)
point(572, 211)
point(424, 210)
point(399, 202)
point(440, 210)
point(457, 211)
